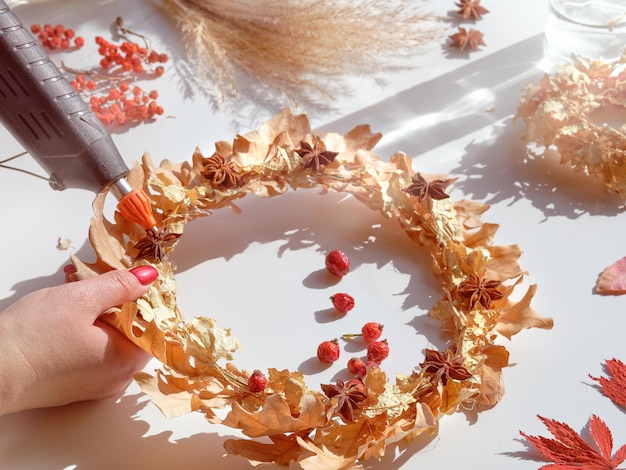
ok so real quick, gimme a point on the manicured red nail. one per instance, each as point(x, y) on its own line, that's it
point(69, 269)
point(145, 274)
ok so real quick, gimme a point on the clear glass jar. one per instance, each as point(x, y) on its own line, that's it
point(591, 28)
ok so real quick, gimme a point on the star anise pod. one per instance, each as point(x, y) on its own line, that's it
point(155, 244)
point(479, 291)
point(348, 397)
point(471, 9)
point(443, 367)
point(220, 172)
point(421, 188)
point(464, 38)
point(316, 155)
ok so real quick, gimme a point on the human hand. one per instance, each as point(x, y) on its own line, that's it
point(55, 349)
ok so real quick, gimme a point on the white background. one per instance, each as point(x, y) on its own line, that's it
point(261, 273)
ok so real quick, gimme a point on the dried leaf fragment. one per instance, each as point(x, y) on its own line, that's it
point(613, 279)
point(275, 417)
point(568, 450)
point(613, 386)
point(282, 449)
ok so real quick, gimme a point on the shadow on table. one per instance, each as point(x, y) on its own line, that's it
point(106, 435)
point(102, 435)
point(484, 93)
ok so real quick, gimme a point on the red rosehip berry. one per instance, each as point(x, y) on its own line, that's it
point(342, 302)
point(372, 331)
point(337, 263)
point(328, 351)
point(378, 351)
point(357, 367)
point(257, 381)
point(355, 384)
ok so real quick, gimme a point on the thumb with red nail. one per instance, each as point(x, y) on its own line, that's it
point(55, 349)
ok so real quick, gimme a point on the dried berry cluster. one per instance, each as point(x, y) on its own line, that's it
point(130, 57)
point(122, 104)
point(469, 10)
point(348, 397)
point(110, 87)
point(57, 37)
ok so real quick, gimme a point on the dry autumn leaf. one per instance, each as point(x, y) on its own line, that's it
point(281, 450)
point(613, 386)
point(613, 279)
point(568, 450)
point(275, 417)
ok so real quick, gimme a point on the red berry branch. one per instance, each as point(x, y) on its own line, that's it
point(57, 37)
point(110, 87)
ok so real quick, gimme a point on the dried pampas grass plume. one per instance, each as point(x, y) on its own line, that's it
point(296, 46)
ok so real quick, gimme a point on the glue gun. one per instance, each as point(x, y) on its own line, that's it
point(56, 127)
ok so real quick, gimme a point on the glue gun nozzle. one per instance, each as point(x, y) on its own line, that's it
point(136, 206)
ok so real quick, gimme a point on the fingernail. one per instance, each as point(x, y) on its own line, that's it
point(69, 269)
point(145, 274)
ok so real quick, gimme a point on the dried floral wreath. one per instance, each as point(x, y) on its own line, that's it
point(559, 111)
point(316, 429)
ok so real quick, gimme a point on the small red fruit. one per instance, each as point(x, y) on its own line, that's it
point(328, 351)
point(342, 302)
point(257, 381)
point(372, 331)
point(337, 263)
point(378, 351)
point(357, 367)
point(355, 385)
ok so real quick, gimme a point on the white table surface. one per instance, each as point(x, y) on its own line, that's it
point(453, 114)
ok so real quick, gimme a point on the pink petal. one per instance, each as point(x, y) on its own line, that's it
point(613, 279)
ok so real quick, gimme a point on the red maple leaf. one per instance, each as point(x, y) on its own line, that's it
point(614, 386)
point(569, 451)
